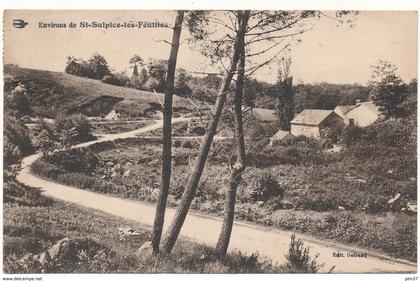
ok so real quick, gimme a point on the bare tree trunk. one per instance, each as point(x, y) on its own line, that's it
point(195, 176)
point(238, 168)
point(167, 135)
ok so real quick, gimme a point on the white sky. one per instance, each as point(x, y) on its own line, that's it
point(326, 53)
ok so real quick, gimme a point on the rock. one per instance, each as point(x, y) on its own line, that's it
point(67, 251)
point(395, 199)
point(412, 179)
point(361, 180)
point(127, 231)
point(26, 258)
point(43, 258)
point(55, 250)
point(127, 173)
point(390, 171)
point(260, 203)
point(286, 204)
point(341, 208)
point(145, 250)
point(412, 207)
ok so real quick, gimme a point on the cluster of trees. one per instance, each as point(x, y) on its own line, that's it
point(95, 68)
point(393, 97)
point(242, 37)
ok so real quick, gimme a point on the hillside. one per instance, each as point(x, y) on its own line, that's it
point(50, 93)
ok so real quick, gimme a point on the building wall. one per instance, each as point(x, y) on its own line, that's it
point(362, 117)
point(305, 130)
point(339, 112)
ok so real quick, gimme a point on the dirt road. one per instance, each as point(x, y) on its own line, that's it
point(247, 238)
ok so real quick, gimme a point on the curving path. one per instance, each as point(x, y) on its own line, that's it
point(247, 238)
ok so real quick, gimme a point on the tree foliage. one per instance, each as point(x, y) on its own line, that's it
point(388, 90)
point(284, 94)
point(95, 68)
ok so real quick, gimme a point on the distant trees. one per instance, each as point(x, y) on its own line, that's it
point(156, 71)
point(135, 62)
point(388, 91)
point(95, 68)
point(181, 82)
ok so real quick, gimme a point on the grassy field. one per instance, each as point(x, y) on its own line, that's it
point(115, 127)
point(131, 169)
point(50, 93)
point(36, 226)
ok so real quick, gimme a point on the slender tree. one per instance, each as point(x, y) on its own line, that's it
point(239, 167)
point(166, 136)
point(284, 94)
point(191, 188)
point(260, 33)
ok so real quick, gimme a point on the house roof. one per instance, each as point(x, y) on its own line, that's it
point(344, 108)
point(280, 135)
point(264, 114)
point(370, 105)
point(311, 117)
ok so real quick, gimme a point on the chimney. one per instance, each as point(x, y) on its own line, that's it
point(358, 102)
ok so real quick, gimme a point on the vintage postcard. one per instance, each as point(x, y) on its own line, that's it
point(210, 141)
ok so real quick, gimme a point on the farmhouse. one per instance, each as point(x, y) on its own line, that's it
point(363, 114)
point(279, 137)
point(342, 110)
point(315, 122)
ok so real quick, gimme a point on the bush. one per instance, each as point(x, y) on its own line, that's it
point(65, 131)
point(260, 187)
point(351, 135)
point(116, 79)
point(76, 128)
point(20, 103)
point(298, 260)
point(74, 160)
point(15, 192)
point(17, 142)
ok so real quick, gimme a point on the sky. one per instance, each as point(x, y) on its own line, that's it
point(326, 53)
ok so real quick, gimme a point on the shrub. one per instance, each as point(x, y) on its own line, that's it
point(74, 128)
point(74, 160)
point(351, 135)
point(300, 150)
point(298, 260)
point(45, 169)
point(17, 142)
point(260, 187)
point(20, 103)
point(15, 192)
point(65, 131)
point(116, 79)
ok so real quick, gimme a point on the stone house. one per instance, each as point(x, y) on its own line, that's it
point(362, 114)
point(279, 137)
point(315, 123)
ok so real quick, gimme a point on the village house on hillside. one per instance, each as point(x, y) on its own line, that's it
point(342, 110)
point(362, 114)
point(313, 122)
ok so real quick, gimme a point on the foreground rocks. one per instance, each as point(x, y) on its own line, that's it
point(67, 253)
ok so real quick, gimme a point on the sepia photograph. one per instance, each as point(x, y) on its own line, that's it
point(210, 141)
